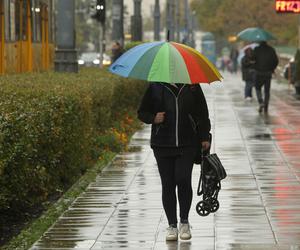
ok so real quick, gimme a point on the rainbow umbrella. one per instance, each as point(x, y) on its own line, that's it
point(167, 62)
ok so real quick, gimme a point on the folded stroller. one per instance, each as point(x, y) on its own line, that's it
point(212, 172)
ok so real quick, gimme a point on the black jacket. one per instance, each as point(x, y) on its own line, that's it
point(248, 71)
point(265, 58)
point(186, 119)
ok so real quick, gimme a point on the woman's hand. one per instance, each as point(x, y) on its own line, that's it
point(205, 145)
point(159, 118)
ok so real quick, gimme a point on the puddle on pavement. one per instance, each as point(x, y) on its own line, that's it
point(263, 136)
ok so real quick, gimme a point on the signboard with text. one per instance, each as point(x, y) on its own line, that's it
point(287, 6)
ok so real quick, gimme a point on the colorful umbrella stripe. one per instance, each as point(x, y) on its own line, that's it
point(168, 62)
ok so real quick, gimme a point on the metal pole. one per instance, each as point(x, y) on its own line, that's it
point(167, 19)
point(193, 29)
point(172, 15)
point(170, 20)
point(186, 22)
point(190, 28)
point(136, 22)
point(157, 21)
point(117, 21)
point(299, 32)
point(177, 17)
point(66, 54)
point(101, 45)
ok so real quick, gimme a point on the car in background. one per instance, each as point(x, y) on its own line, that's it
point(92, 59)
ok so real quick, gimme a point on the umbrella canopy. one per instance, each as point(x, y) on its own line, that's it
point(167, 62)
point(255, 35)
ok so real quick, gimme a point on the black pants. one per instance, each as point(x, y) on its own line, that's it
point(266, 82)
point(176, 171)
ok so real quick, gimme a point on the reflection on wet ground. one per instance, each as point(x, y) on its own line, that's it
point(259, 200)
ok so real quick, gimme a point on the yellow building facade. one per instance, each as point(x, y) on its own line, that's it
point(26, 35)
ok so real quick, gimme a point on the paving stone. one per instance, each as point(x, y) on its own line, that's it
point(259, 200)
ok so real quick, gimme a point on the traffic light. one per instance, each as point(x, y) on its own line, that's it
point(98, 10)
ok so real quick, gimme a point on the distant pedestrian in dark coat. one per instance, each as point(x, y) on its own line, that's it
point(116, 51)
point(266, 62)
point(234, 54)
point(290, 71)
point(180, 125)
point(248, 72)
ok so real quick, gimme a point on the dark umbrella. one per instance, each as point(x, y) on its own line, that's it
point(255, 35)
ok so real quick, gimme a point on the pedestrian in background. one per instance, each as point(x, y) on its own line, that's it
point(116, 51)
point(266, 62)
point(248, 73)
point(225, 59)
point(234, 54)
point(180, 126)
point(290, 71)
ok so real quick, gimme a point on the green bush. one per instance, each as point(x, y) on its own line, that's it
point(48, 126)
point(130, 45)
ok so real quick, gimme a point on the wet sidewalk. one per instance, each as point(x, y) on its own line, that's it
point(259, 200)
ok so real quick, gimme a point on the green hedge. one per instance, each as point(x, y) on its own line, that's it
point(130, 45)
point(48, 126)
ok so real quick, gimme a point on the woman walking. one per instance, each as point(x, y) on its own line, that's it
point(248, 73)
point(180, 127)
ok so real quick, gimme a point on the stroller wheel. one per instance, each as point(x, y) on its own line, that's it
point(202, 208)
point(214, 205)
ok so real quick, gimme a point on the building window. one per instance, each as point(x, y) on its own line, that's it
point(24, 20)
point(12, 19)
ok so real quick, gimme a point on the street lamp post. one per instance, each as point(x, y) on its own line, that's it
point(157, 21)
point(98, 10)
point(117, 21)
